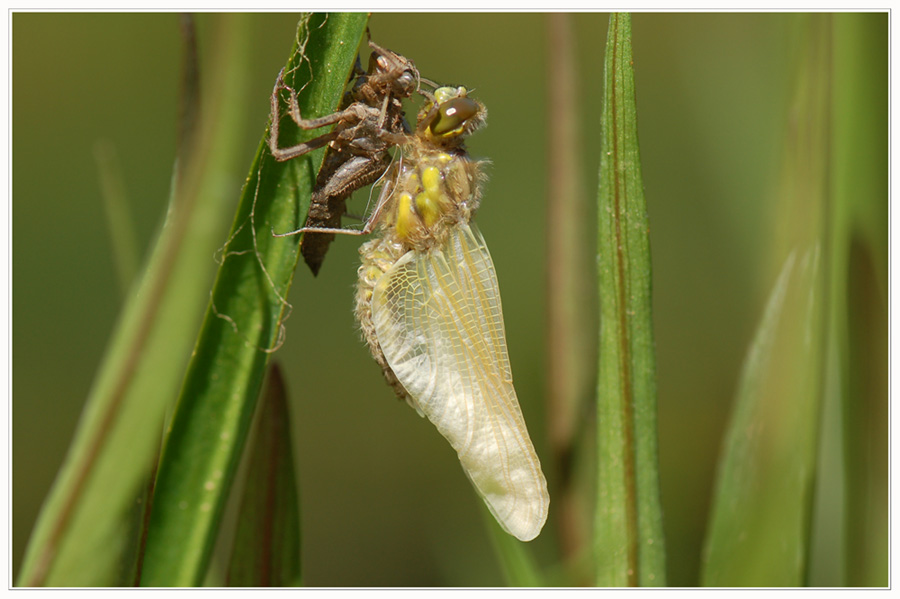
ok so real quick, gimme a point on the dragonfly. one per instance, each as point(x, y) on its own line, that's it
point(368, 124)
point(428, 303)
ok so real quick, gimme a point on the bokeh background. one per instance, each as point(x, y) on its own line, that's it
point(384, 501)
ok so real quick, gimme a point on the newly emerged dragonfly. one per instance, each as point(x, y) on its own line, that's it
point(368, 124)
point(429, 306)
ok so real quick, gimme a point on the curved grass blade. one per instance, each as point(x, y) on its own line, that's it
point(759, 528)
point(762, 508)
point(266, 549)
point(87, 524)
point(628, 535)
point(242, 324)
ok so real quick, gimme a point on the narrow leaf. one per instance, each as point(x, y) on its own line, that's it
point(628, 534)
point(762, 508)
point(267, 542)
point(859, 301)
point(243, 323)
point(88, 523)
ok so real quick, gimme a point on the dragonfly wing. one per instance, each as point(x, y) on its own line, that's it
point(438, 319)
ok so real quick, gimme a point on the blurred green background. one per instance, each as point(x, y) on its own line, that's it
point(384, 501)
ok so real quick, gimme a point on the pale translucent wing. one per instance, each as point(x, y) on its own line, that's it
point(438, 319)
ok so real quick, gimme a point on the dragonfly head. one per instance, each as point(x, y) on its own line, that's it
point(450, 116)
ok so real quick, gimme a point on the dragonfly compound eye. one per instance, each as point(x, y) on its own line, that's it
point(452, 115)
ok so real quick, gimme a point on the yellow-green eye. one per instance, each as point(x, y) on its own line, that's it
point(453, 114)
point(442, 94)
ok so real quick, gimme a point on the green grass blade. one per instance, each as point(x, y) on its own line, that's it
point(86, 526)
point(758, 532)
point(628, 536)
point(267, 542)
point(762, 508)
point(859, 307)
point(242, 325)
